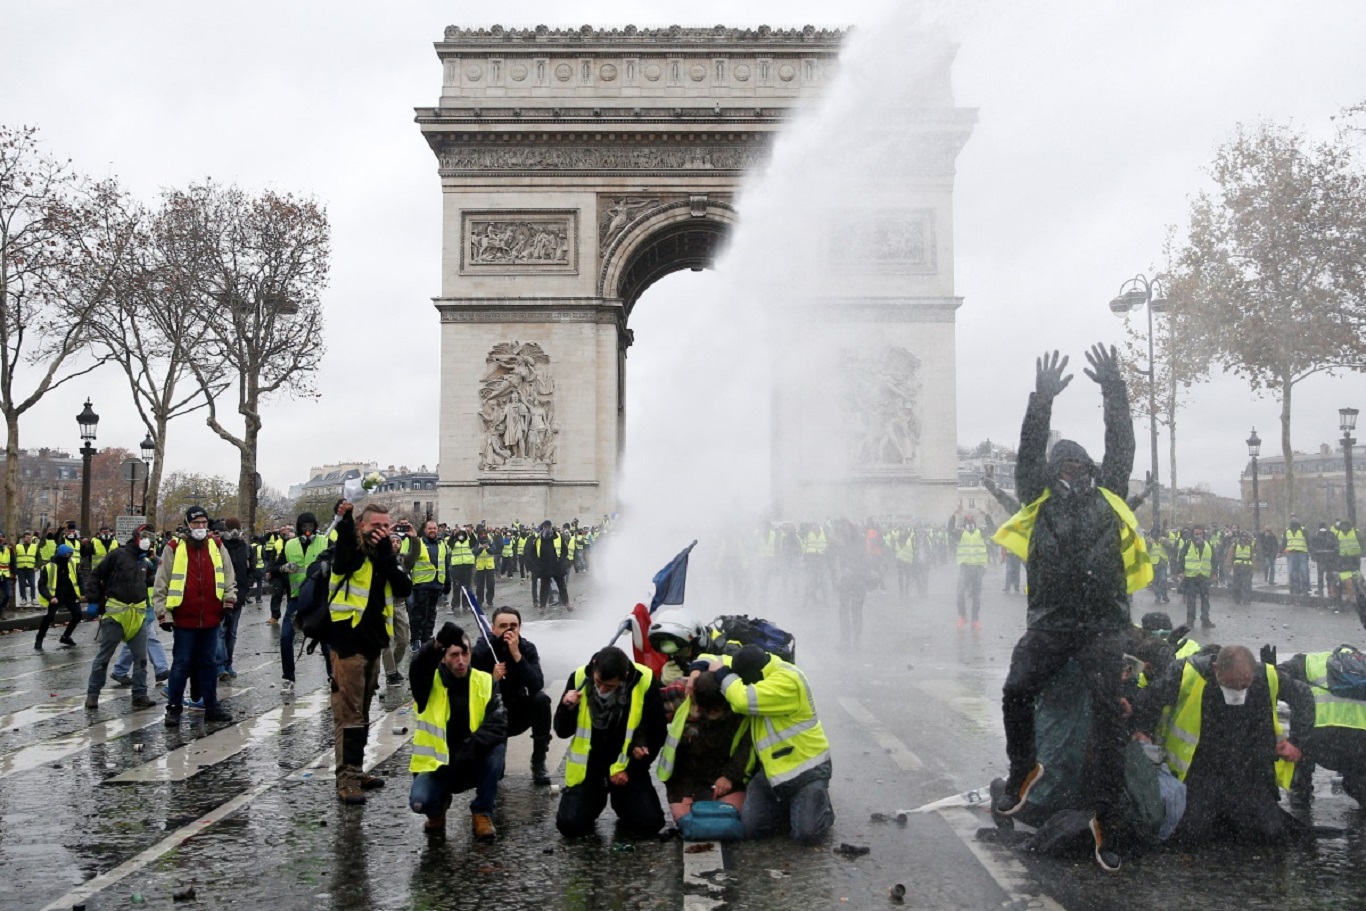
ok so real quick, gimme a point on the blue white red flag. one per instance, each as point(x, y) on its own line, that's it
point(485, 628)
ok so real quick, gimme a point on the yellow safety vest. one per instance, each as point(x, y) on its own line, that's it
point(175, 591)
point(294, 552)
point(1331, 711)
point(668, 755)
point(47, 551)
point(816, 542)
point(1014, 536)
point(1184, 735)
point(1349, 545)
point(5, 553)
point(51, 571)
point(27, 555)
point(570, 546)
point(348, 596)
point(484, 560)
point(905, 551)
point(430, 750)
point(576, 762)
point(768, 547)
point(129, 616)
point(1242, 555)
point(461, 554)
point(1295, 542)
point(423, 570)
point(972, 549)
point(101, 551)
point(796, 747)
point(1199, 560)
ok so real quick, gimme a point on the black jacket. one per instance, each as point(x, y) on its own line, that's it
point(543, 560)
point(239, 552)
point(465, 746)
point(605, 745)
point(1076, 564)
point(121, 575)
point(524, 678)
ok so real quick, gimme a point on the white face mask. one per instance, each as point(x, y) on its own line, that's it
point(1234, 697)
point(604, 693)
point(145, 543)
point(199, 534)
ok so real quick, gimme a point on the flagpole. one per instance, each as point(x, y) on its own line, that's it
point(469, 600)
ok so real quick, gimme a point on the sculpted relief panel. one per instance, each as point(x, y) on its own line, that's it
point(507, 242)
point(882, 240)
point(517, 410)
point(604, 157)
point(881, 391)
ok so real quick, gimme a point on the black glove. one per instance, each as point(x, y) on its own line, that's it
point(1268, 654)
point(448, 636)
point(1048, 379)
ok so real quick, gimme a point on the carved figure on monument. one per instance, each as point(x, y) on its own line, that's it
point(620, 212)
point(517, 409)
point(881, 389)
point(502, 243)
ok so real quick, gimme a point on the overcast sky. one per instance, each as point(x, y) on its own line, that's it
point(1096, 120)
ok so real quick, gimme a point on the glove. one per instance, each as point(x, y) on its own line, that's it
point(1268, 654)
point(92, 610)
point(290, 567)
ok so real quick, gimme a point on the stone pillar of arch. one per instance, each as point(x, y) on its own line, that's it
point(578, 167)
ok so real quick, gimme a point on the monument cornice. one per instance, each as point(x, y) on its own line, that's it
point(528, 310)
point(759, 36)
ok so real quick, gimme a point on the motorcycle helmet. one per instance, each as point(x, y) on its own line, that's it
point(674, 631)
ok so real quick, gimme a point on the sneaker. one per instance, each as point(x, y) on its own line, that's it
point(483, 827)
point(92, 702)
point(121, 679)
point(962, 622)
point(393, 678)
point(231, 672)
point(977, 626)
point(163, 676)
point(218, 715)
point(37, 646)
point(1017, 790)
point(351, 795)
point(371, 782)
point(143, 702)
point(1106, 856)
point(172, 717)
point(287, 689)
point(195, 705)
point(67, 643)
point(416, 647)
point(274, 621)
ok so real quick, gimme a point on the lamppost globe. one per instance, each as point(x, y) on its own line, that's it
point(1254, 444)
point(1133, 294)
point(148, 447)
point(1348, 419)
point(88, 420)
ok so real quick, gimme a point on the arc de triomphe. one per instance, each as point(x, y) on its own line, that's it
point(579, 166)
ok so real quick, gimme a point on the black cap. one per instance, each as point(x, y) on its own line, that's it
point(1156, 621)
point(195, 512)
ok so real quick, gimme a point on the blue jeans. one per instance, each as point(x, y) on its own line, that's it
point(227, 638)
point(109, 637)
point(155, 653)
point(806, 814)
point(194, 651)
point(1299, 572)
point(430, 789)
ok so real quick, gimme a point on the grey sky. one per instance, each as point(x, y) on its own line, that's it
point(1095, 122)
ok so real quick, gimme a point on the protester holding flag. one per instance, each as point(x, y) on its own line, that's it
point(516, 668)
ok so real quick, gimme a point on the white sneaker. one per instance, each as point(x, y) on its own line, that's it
point(287, 689)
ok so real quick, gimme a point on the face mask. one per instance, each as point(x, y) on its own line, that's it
point(1234, 697)
point(145, 543)
point(668, 647)
point(199, 534)
point(603, 693)
point(234, 534)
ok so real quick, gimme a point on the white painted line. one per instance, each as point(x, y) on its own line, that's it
point(380, 744)
point(11, 695)
point(700, 869)
point(187, 761)
point(49, 751)
point(1008, 872)
point(985, 713)
point(901, 755)
point(82, 893)
point(63, 705)
point(48, 669)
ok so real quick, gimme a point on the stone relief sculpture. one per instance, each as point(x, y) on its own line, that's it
point(599, 158)
point(881, 389)
point(517, 409)
point(506, 243)
point(619, 212)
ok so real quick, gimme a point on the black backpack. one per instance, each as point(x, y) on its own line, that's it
point(1347, 673)
point(312, 619)
point(730, 633)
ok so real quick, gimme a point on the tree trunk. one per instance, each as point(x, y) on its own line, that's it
point(246, 488)
point(12, 473)
point(1286, 451)
point(154, 477)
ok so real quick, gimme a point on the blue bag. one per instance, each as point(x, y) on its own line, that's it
point(1347, 673)
point(711, 820)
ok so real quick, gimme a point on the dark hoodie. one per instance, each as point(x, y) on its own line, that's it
point(1076, 564)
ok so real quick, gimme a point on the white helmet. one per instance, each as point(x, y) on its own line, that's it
point(675, 630)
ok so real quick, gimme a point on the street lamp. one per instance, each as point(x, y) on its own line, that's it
point(1133, 294)
point(1349, 423)
point(149, 451)
point(88, 420)
point(1254, 449)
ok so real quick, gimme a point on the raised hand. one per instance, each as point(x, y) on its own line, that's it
point(1048, 379)
point(1105, 365)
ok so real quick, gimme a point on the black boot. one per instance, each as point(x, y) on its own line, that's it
point(540, 746)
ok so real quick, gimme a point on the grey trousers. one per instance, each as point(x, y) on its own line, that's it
point(109, 638)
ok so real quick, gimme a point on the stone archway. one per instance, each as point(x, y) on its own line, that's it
point(577, 168)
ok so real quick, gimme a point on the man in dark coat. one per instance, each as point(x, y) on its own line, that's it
point(1075, 530)
point(516, 667)
point(549, 560)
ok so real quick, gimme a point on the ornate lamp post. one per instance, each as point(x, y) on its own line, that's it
point(1135, 293)
point(88, 420)
point(1349, 423)
point(1254, 449)
point(149, 451)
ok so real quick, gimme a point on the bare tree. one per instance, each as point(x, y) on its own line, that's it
point(256, 266)
point(1272, 272)
point(62, 239)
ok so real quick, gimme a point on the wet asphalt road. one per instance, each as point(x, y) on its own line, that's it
point(913, 716)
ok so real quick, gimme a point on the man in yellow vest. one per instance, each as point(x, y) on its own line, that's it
point(119, 584)
point(1338, 740)
point(1241, 553)
point(299, 553)
point(60, 587)
point(611, 708)
point(6, 573)
point(548, 561)
point(1295, 545)
point(459, 733)
point(1080, 542)
point(1349, 557)
point(1226, 743)
point(791, 789)
point(25, 568)
point(1195, 564)
point(193, 584)
point(462, 559)
point(426, 562)
point(366, 584)
point(972, 566)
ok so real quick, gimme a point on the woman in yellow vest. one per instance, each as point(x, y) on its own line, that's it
point(1226, 743)
point(459, 736)
point(612, 714)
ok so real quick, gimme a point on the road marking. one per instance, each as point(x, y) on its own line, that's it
point(151, 855)
point(63, 705)
point(44, 670)
point(189, 760)
point(48, 751)
point(702, 871)
point(1008, 872)
point(981, 711)
point(901, 755)
point(11, 695)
